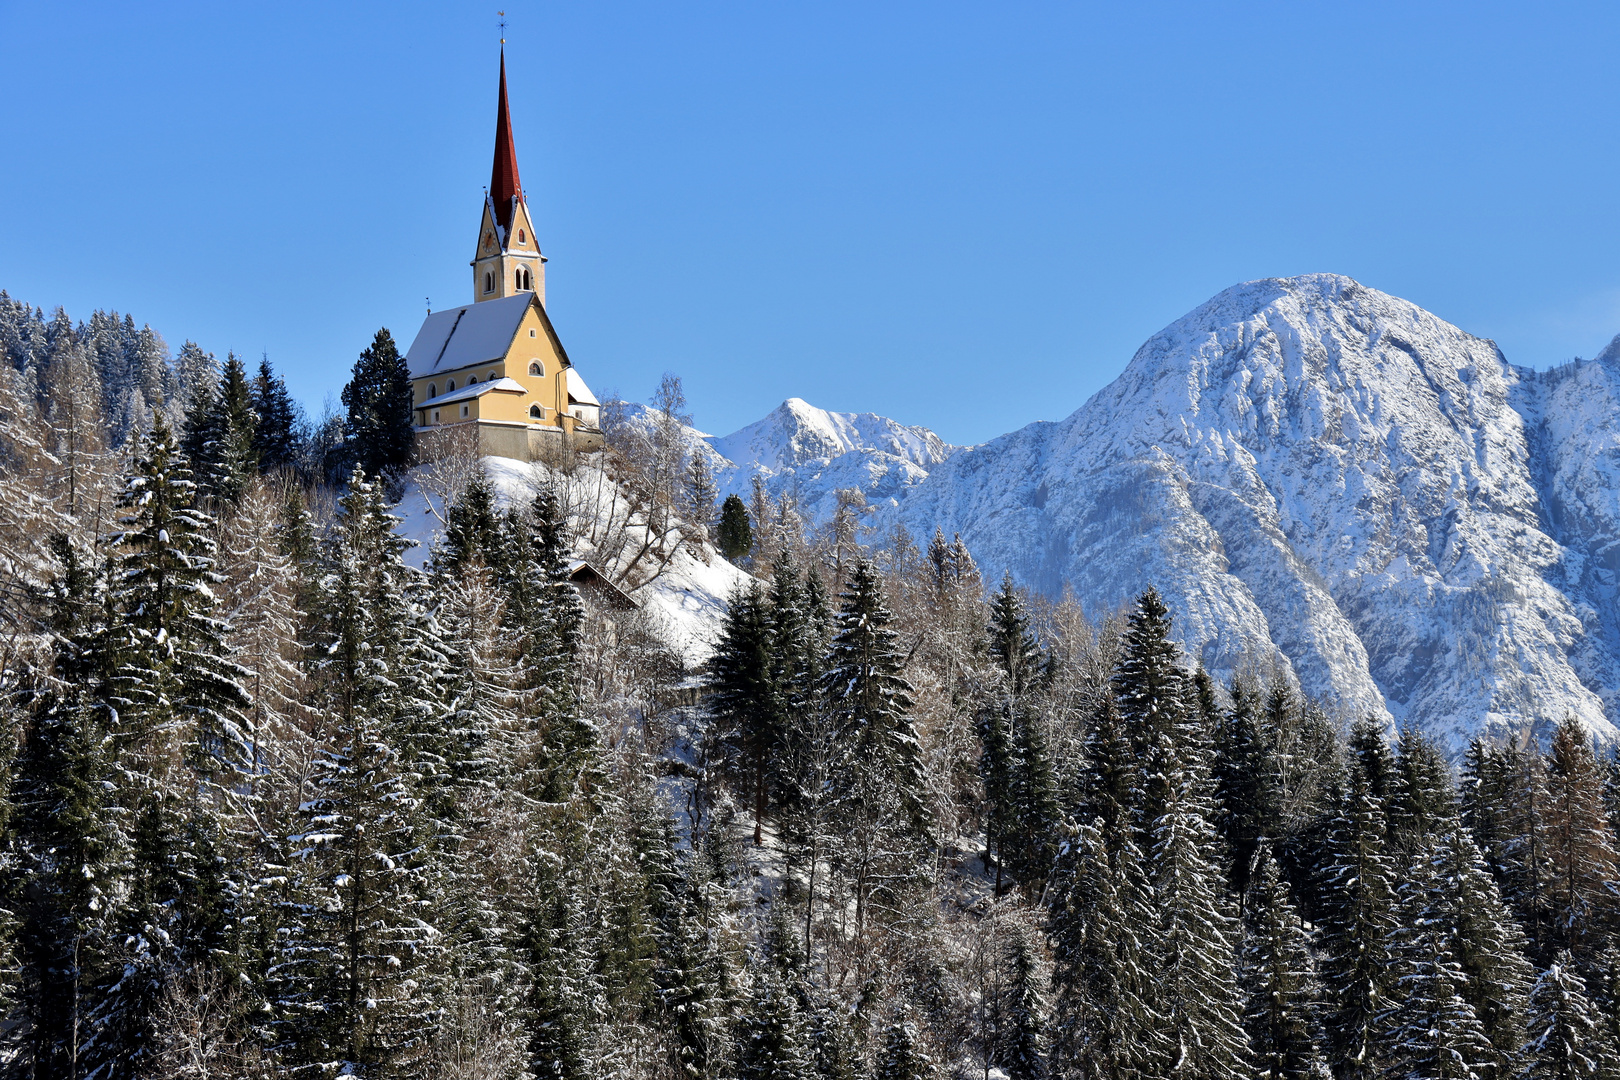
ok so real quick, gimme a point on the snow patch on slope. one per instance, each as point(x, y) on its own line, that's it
point(685, 604)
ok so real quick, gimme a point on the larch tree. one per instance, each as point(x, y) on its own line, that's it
point(1580, 842)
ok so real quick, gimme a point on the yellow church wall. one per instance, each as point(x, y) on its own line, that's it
point(548, 389)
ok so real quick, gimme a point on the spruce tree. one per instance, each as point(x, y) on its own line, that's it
point(196, 375)
point(1103, 1020)
point(67, 853)
point(173, 678)
point(471, 528)
point(1245, 787)
point(1422, 800)
point(380, 431)
point(1566, 1042)
point(901, 1058)
point(1487, 945)
point(1504, 803)
point(1430, 1029)
point(1012, 646)
point(1035, 797)
point(276, 428)
point(1196, 999)
point(349, 983)
point(1149, 683)
point(544, 604)
point(1279, 981)
point(1370, 755)
point(869, 700)
point(734, 536)
point(227, 458)
point(1023, 1012)
point(745, 700)
point(694, 974)
point(1357, 926)
point(996, 772)
point(770, 1033)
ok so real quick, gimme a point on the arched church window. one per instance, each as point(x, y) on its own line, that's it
point(471, 379)
point(537, 412)
point(449, 386)
point(536, 369)
point(489, 282)
point(433, 389)
point(520, 236)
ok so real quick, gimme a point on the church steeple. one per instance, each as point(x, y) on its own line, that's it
point(504, 185)
point(508, 259)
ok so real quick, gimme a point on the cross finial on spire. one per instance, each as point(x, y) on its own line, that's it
point(502, 14)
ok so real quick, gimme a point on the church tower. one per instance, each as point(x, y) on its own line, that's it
point(508, 259)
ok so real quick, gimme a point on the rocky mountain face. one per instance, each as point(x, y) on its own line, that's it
point(1315, 475)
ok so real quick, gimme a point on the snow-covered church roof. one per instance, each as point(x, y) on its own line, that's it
point(473, 334)
point(578, 392)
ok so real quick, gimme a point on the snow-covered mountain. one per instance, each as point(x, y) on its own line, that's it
point(1316, 475)
point(1319, 473)
point(810, 453)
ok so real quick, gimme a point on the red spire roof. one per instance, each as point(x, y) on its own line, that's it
point(504, 185)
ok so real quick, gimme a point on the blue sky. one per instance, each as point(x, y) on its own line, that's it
point(966, 216)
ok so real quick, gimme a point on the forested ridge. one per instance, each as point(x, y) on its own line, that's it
point(278, 804)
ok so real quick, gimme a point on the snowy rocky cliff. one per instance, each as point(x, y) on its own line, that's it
point(1320, 473)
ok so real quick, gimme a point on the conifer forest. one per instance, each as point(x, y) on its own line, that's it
point(278, 801)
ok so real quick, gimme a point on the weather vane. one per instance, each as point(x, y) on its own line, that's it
point(502, 14)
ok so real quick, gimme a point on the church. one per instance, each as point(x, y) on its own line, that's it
point(494, 371)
